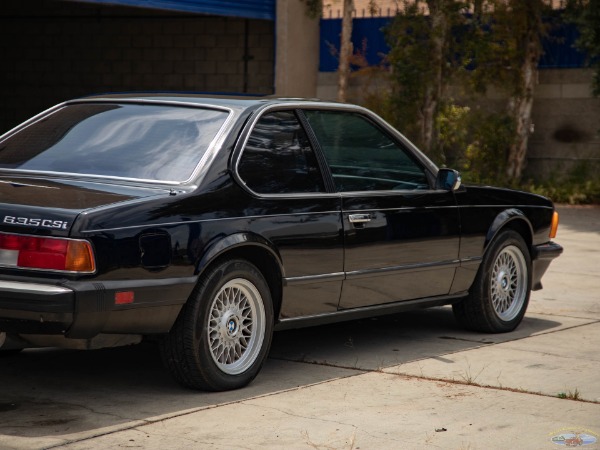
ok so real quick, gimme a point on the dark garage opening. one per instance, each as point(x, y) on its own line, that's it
point(56, 50)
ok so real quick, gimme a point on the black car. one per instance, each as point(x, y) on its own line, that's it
point(208, 223)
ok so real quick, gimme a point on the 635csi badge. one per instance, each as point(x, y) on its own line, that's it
point(36, 222)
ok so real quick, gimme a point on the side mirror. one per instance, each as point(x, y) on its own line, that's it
point(447, 180)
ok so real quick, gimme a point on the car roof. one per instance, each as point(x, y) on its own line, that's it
point(237, 102)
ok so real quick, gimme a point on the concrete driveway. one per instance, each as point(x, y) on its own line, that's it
point(413, 380)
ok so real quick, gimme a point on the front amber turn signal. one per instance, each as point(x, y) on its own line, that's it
point(554, 226)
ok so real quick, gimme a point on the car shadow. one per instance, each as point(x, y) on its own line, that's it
point(378, 343)
point(66, 394)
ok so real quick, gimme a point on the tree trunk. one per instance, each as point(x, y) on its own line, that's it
point(521, 110)
point(345, 50)
point(521, 104)
point(434, 91)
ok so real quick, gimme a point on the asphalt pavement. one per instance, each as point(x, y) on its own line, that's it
point(409, 381)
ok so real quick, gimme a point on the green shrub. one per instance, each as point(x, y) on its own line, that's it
point(579, 188)
point(474, 143)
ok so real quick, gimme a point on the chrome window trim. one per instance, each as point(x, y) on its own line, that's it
point(304, 105)
point(241, 146)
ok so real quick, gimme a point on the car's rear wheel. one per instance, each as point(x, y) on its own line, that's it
point(500, 293)
point(223, 334)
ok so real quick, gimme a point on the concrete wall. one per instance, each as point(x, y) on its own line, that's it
point(566, 119)
point(297, 50)
point(52, 51)
point(567, 125)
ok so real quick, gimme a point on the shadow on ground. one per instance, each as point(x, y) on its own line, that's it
point(377, 343)
point(61, 393)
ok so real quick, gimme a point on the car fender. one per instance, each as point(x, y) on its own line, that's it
point(237, 241)
point(504, 218)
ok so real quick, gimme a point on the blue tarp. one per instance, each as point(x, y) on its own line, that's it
point(367, 35)
point(369, 38)
point(250, 9)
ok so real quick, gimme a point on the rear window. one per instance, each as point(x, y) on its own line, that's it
point(149, 142)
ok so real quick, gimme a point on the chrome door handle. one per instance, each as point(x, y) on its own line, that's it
point(359, 218)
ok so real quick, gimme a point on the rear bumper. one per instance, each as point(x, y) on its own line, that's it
point(85, 309)
point(35, 307)
point(542, 256)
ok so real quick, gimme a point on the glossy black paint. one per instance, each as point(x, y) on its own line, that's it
point(414, 237)
point(414, 249)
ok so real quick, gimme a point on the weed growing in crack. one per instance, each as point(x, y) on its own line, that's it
point(570, 395)
point(468, 377)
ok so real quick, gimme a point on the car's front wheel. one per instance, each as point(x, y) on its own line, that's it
point(223, 334)
point(500, 293)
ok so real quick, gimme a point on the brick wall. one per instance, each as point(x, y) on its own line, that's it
point(52, 51)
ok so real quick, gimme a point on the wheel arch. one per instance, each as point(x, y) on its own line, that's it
point(254, 249)
point(479, 311)
point(510, 219)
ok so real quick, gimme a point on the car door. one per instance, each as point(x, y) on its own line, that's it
point(401, 236)
point(294, 210)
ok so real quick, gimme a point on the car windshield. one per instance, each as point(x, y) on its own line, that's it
point(149, 142)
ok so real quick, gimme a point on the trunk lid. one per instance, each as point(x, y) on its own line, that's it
point(43, 206)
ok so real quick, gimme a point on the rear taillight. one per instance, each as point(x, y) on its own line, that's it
point(43, 253)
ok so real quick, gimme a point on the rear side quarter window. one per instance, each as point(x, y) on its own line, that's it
point(278, 157)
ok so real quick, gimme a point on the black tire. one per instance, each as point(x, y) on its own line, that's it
point(499, 295)
point(223, 333)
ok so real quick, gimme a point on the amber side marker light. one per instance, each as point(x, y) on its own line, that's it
point(554, 226)
point(45, 253)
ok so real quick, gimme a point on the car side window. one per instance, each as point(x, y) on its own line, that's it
point(278, 157)
point(361, 156)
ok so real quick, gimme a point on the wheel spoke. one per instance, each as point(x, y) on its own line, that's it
point(508, 283)
point(236, 326)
